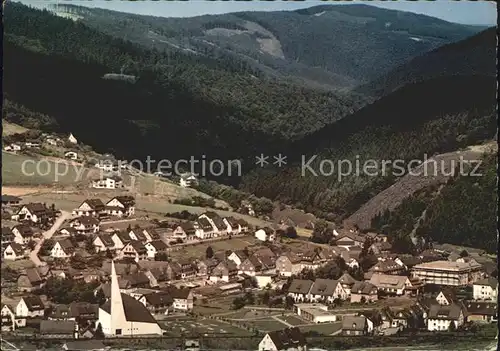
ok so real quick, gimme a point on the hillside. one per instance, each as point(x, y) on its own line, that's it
point(323, 46)
point(472, 56)
point(435, 116)
point(213, 107)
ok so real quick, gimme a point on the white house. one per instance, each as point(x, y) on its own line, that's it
point(72, 139)
point(265, 234)
point(326, 290)
point(121, 206)
point(8, 318)
point(23, 234)
point(85, 224)
point(287, 339)
point(103, 243)
point(155, 247)
point(90, 207)
point(34, 212)
point(188, 180)
point(107, 182)
point(216, 221)
point(13, 252)
point(12, 147)
point(30, 306)
point(62, 249)
point(71, 155)
point(440, 317)
point(485, 289)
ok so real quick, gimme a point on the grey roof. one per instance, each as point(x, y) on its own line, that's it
point(34, 303)
point(365, 288)
point(490, 281)
point(481, 308)
point(449, 312)
point(347, 279)
point(300, 286)
point(324, 287)
point(289, 338)
point(84, 345)
point(95, 204)
point(357, 323)
point(134, 310)
point(57, 327)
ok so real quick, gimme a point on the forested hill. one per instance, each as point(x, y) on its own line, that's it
point(328, 46)
point(472, 56)
point(435, 116)
point(180, 105)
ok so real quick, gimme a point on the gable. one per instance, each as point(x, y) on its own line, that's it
point(85, 207)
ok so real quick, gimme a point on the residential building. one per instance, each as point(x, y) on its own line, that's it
point(225, 271)
point(326, 290)
point(23, 234)
point(85, 224)
point(90, 207)
point(363, 292)
point(485, 289)
point(481, 311)
point(107, 182)
point(347, 282)
point(288, 264)
point(120, 239)
point(265, 234)
point(286, 339)
point(314, 312)
point(188, 180)
point(32, 279)
point(448, 273)
point(155, 247)
point(390, 284)
point(71, 155)
point(237, 256)
point(9, 200)
point(299, 289)
point(232, 224)
point(14, 252)
point(388, 266)
point(34, 212)
point(121, 206)
point(157, 303)
point(30, 306)
point(103, 242)
point(354, 325)
point(348, 240)
point(134, 249)
point(440, 317)
point(62, 249)
point(216, 221)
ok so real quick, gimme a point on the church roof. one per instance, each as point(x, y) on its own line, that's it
point(134, 310)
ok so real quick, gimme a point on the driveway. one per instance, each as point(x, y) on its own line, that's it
point(47, 235)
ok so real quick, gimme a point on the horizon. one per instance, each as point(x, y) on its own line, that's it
point(482, 13)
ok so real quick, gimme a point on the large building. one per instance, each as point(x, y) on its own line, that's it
point(122, 315)
point(448, 272)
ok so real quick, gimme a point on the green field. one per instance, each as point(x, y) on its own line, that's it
point(293, 320)
point(323, 328)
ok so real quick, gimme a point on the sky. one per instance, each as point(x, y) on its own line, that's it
point(466, 12)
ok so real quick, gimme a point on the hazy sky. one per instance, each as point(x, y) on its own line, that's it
point(467, 12)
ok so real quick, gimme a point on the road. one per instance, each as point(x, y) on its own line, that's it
point(47, 235)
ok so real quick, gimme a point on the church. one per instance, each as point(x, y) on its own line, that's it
point(122, 315)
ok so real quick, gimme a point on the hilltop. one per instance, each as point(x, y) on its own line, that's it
point(322, 46)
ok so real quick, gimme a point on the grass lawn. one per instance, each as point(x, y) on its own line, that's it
point(12, 128)
point(176, 327)
point(199, 250)
point(323, 328)
point(17, 265)
point(266, 325)
point(293, 320)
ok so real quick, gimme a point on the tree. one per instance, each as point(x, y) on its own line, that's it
point(162, 256)
point(291, 233)
point(464, 253)
point(89, 245)
point(289, 302)
point(265, 297)
point(100, 297)
point(321, 233)
point(363, 299)
point(238, 303)
point(209, 253)
point(452, 327)
point(98, 332)
point(249, 298)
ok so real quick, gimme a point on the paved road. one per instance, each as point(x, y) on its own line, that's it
point(47, 235)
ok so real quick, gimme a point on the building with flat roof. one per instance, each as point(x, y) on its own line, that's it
point(314, 312)
point(448, 273)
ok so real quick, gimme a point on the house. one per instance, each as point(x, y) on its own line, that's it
point(62, 249)
point(79, 311)
point(71, 155)
point(23, 234)
point(347, 282)
point(205, 229)
point(288, 264)
point(448, 273)
point(12, 147)
point(183, 298)
point(310, 259)
point(354, 325)
point(90, 207)
point(286, 339)
point(446, 297)
point(440, 317)
point(107, 182)
point(134, 249)
point(34, 212)
point(387, 266)
point(30, 306)
point(314, 312)
point(151, 234)
point(348, 240)
point(83, 345)
point(121, 206)
point(485, 289)
point(189, 230)
point(85, 224)
point(481, 311)
point(185, 268)
point(265, 234)
point(232, 224)
point(326, 290)
point(58, 329)
point(237, 256)
point(225, 271)
point(30, 144)
point(32, 279)
point(364, 292)
point(299, 289)
point(157, 303)
point(7, 237)
point(205, 267)
point(120, 239)
point(243, 225)
point(250, 266)
point(9, 200)
point(9, 321)
point(103, 242)
point(155, 247)
point(216, 221)
point(13, 252)
point(72, 139)
point(188, 180)
point(390, 284)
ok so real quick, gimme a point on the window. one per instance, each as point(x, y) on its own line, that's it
point(118, 332)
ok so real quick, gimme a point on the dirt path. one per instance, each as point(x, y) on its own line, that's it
point(23, 190)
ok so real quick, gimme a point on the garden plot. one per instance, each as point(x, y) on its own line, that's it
point(200, 327)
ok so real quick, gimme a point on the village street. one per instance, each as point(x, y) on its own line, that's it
point(47, 235)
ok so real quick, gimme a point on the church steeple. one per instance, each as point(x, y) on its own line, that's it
point(117, 311)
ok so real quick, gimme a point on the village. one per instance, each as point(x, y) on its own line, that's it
point(170, 278)
point(104, 268)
